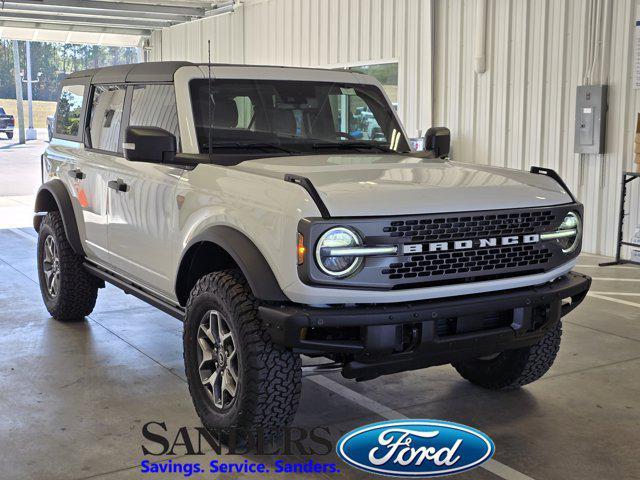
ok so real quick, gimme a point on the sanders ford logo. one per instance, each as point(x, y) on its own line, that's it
point(415, 448)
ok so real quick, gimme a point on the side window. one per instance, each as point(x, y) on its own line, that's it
point(155, 106)
point(352, 115)
point(106, 117)
point(69, 111)
point(245, 112)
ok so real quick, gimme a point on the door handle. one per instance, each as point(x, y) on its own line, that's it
point(77, 174)
point(118, 185)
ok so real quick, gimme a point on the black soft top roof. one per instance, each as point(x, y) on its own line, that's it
point(133, 73)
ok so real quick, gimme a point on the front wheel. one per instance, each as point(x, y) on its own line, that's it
point(513, 368)
point(238, 378)
point(9, 135)
point(68, 290)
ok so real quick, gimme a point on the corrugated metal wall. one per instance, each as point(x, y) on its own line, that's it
point(325, 33)
point(517, 114)
point(521, 111)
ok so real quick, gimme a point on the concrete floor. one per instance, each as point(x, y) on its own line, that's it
point(73, 397)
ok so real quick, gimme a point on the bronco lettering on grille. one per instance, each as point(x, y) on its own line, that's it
point(469, 244)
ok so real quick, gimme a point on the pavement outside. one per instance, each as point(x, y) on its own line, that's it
point(19, 178)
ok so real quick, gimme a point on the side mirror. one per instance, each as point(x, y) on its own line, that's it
point(149, 144)
point(438, 141)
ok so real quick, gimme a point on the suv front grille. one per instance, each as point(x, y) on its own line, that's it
point(471, 261)
point(428, 255)
point(469, 227)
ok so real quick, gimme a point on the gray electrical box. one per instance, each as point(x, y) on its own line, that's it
point(591, 118)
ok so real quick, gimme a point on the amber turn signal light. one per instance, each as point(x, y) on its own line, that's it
point(301, 249)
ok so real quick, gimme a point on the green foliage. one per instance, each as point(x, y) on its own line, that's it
point(54, 61)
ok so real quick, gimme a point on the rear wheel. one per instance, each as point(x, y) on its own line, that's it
point(68, 290)
point(513, 368)
point(238, 378)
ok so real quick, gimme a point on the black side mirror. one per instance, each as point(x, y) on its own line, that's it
point(438, 141)
point(149, 144)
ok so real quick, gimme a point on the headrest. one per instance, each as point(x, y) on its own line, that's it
point(225, 113)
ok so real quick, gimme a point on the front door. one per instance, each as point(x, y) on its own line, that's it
point(142, 199)
point(142, 208)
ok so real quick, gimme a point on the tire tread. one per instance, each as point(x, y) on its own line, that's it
point(514, 368)
point(78, 288)
point(271, 391)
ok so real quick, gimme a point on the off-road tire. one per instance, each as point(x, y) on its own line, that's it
point(514, 368)
point(268, 390)
point(78, 289)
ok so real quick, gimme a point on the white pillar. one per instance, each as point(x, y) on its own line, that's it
point(18, 80)
point(31, 132)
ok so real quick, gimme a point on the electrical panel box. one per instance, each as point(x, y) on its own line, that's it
point(591, 118)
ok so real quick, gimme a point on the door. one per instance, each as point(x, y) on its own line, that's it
point(142, 199)
point(100, 152)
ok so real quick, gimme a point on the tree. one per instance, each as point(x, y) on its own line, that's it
point(54, 61)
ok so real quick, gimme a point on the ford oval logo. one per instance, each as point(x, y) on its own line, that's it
point(415, 448)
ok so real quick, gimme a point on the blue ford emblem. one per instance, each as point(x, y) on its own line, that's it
point(415, 448)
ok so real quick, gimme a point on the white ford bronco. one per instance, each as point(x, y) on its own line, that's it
point(262, 207)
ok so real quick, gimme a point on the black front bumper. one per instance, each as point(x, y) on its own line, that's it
point(387, 338)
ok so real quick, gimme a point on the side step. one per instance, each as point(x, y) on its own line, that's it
point(133, 289)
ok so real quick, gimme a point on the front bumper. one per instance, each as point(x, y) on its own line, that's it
point(388, 338)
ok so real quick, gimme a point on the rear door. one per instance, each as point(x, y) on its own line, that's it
point(67, 159)
point(102, 148)
point(142, 218)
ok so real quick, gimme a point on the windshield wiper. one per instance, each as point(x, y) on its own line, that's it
point(351, 145)
point(250, 145)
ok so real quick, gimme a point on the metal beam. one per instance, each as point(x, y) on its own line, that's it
point(174, 9)
point(74, 28)
point(16, 7)
point(82, 20)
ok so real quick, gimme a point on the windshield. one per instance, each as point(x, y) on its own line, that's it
point(295, 117)
point(2, 111)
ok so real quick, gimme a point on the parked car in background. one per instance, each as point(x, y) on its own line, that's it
point(51, 123)
point(6, 123)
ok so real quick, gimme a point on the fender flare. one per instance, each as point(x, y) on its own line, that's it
point(53, 195)
point(247, 256)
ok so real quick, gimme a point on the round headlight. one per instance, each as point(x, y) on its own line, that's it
point(570, 231)
point(337, 266)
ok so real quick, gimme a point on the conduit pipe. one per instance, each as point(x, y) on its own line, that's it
point(480, 54)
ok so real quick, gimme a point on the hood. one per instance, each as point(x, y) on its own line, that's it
point(372, 185)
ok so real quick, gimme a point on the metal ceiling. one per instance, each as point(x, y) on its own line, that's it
point(110, 22)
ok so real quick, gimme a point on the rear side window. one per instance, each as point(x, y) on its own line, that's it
point(155, 106)
point(69, 113)
point(106, 117)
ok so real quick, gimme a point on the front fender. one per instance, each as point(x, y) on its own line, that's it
point(249, 259)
